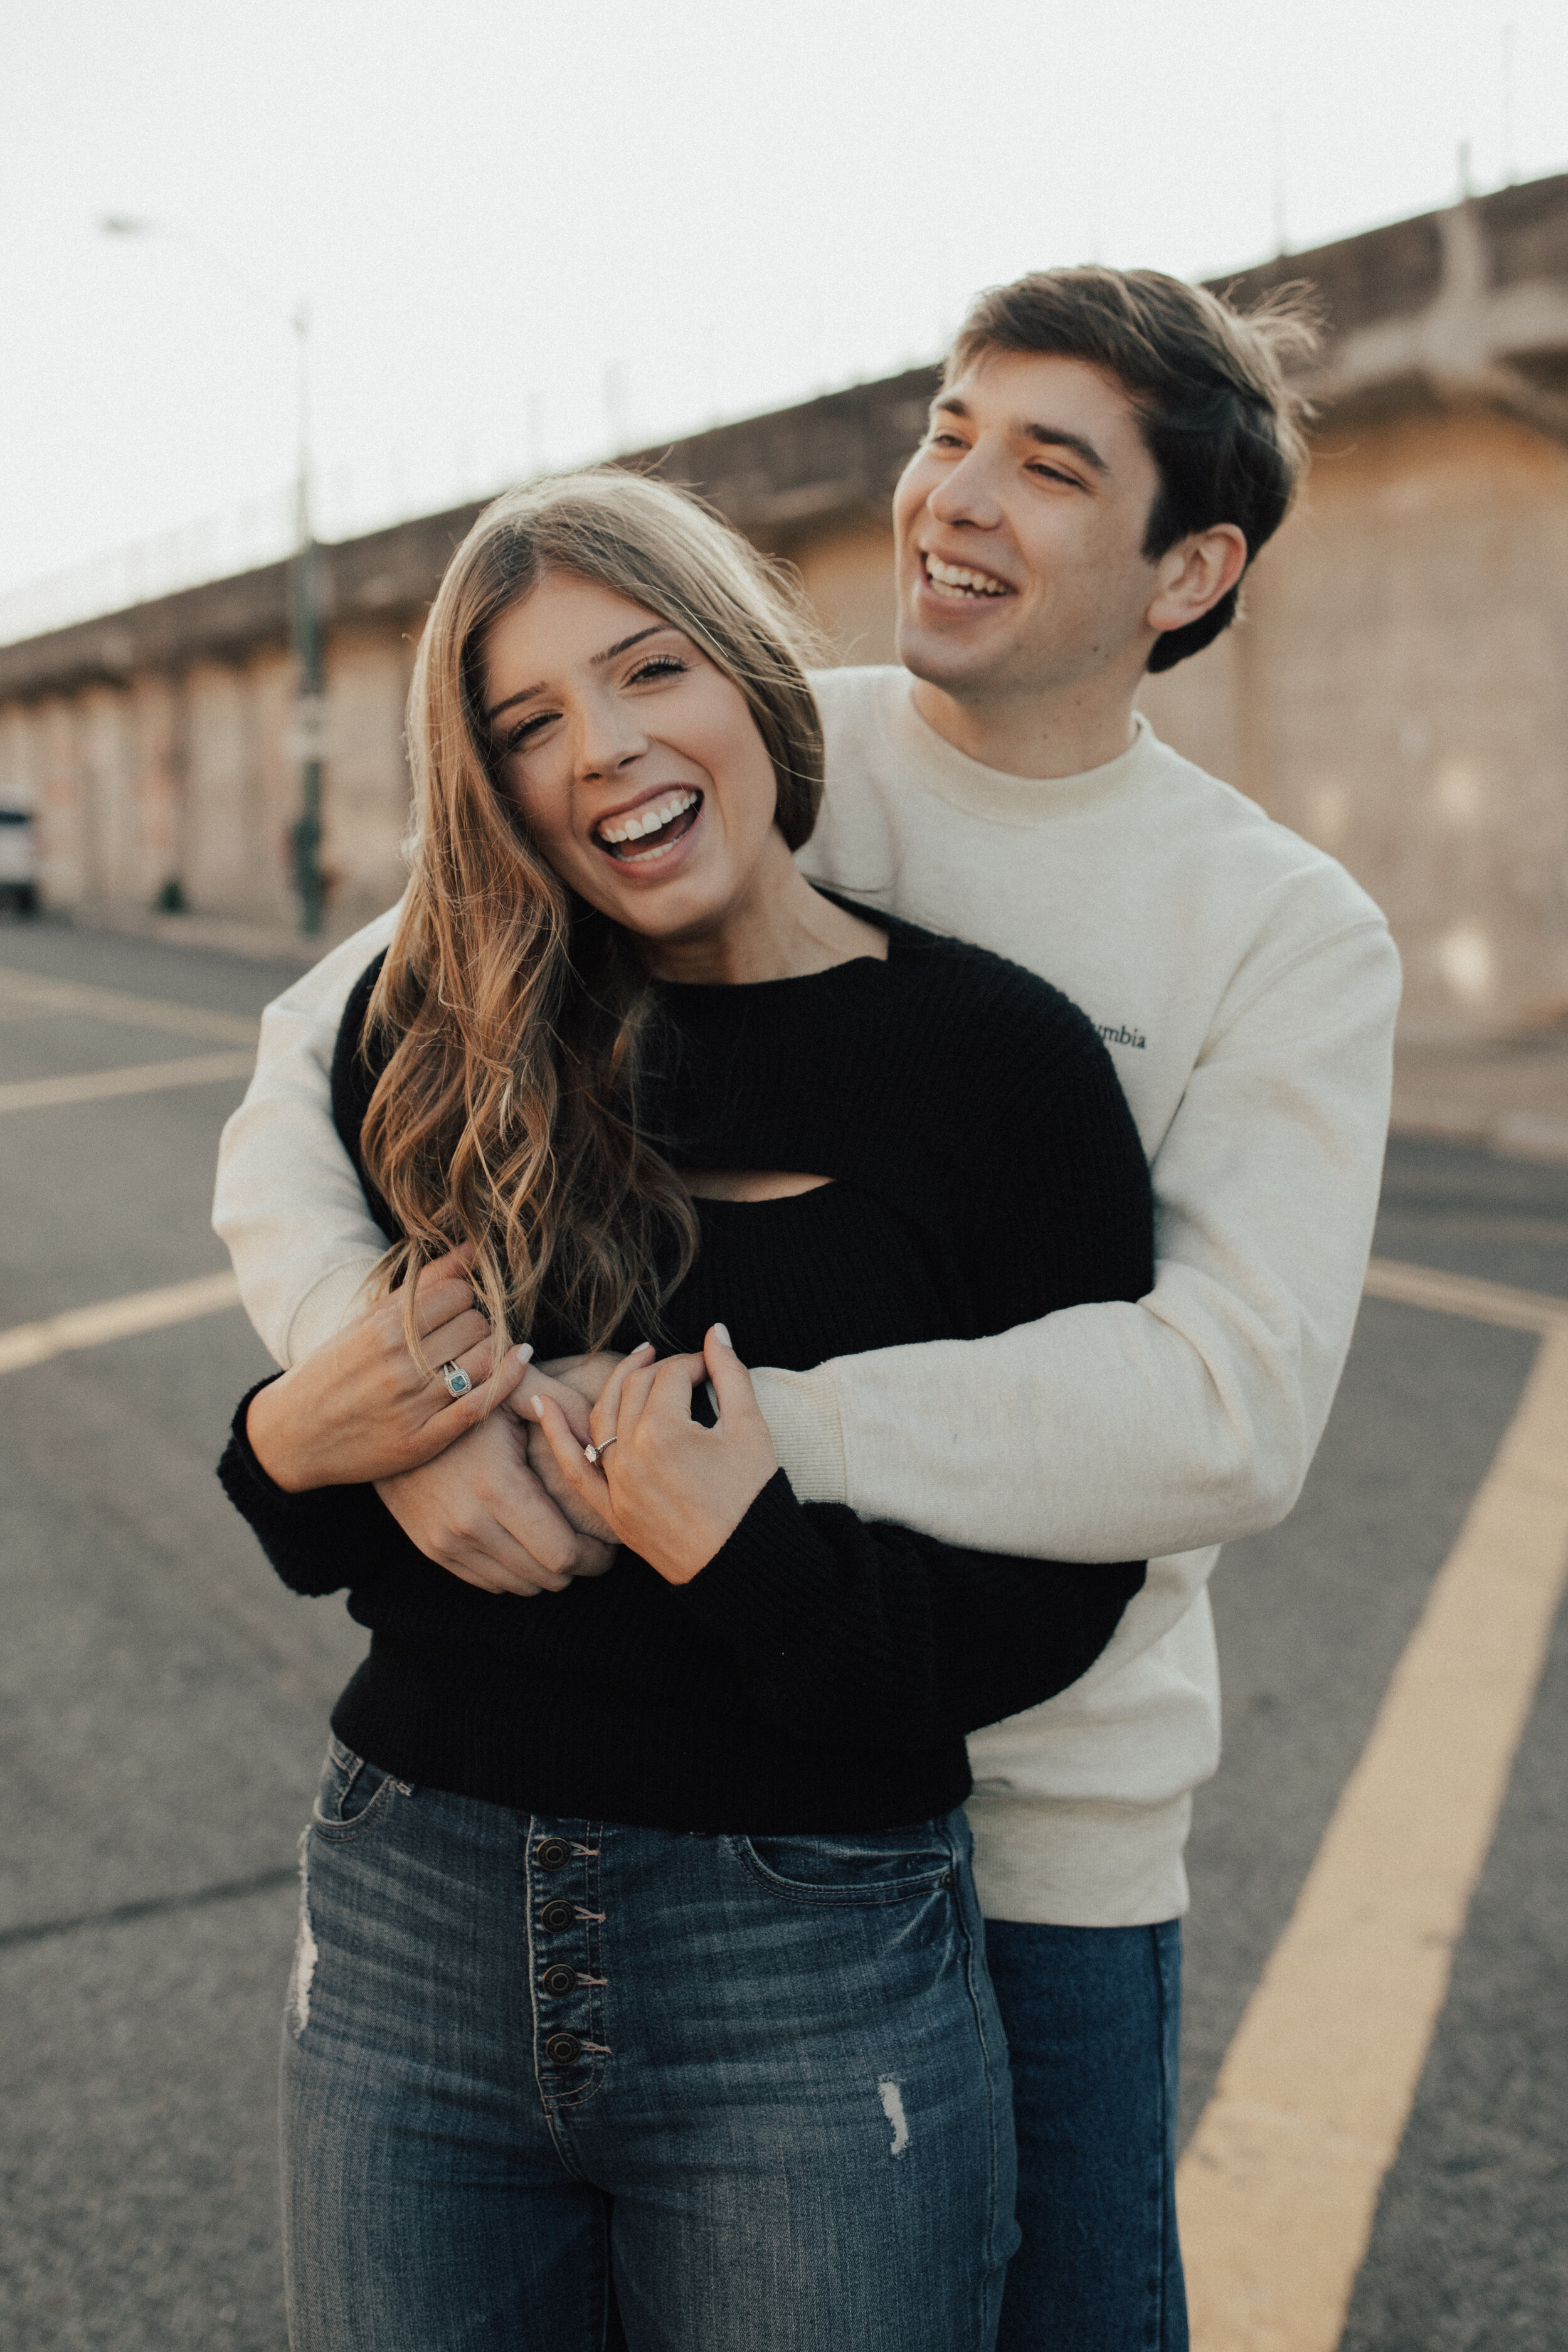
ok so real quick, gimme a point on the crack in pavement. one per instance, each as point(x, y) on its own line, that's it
point(229, 1890)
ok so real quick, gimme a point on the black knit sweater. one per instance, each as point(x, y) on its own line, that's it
point(818, 1673)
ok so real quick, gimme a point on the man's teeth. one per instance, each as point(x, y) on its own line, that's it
point(957, 576)
point(649, 820)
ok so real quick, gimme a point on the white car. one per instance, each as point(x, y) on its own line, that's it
point(18, 858)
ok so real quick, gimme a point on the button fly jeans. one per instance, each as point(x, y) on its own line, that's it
point(760, 2082)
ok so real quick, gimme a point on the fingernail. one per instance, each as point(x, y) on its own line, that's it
point(525, 1351)
point(721, 1333)
point(537, 1400)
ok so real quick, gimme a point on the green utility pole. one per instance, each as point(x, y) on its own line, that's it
point(305, 833)
point(310, 686)
point(309, 734)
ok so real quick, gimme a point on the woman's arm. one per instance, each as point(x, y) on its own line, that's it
point(362, 1407)
point(853, 1635)
point(307, 1444)
point(326, 1537)
point(1104, 1432)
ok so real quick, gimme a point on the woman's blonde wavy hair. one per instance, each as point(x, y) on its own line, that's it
point(518, 1016)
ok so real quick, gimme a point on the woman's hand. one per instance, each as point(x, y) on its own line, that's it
point(362, 1408)
point(670, 1490)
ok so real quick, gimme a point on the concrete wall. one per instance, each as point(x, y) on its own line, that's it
point(1397, 691)
point(1406, 671)
point(192, 778)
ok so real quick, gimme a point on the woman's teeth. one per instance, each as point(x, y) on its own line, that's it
point(642, 822)
point(956, 579)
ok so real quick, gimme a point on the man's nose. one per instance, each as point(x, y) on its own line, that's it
point(966, 493)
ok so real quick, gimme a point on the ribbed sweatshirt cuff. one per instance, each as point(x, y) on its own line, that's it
point(804, 1420)
point(327, 1307)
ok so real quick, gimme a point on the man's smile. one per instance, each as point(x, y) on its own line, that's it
point(961, 580)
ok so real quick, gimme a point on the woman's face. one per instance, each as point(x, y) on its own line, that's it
point(636, 763)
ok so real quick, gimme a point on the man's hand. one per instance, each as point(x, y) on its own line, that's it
point(479, 1511)
point(670, 1490)
point(586, 1375)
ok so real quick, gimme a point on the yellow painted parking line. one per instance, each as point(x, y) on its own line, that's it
point(23, 993)
point(1278, 2186)
point(1461, 1294)
point(116, 1318)
point(145, 1078)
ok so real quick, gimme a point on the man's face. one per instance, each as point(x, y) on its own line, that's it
point(1019, 524)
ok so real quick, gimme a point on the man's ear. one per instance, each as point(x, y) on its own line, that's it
point(1195, 575)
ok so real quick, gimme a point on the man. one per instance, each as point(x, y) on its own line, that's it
point(1107, 454)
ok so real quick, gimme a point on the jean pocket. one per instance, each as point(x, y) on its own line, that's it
point(869, 1866)
point(352, 1794)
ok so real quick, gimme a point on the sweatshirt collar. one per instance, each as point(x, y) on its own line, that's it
point(990, 792)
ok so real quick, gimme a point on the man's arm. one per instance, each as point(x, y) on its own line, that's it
point(288, 1200)
point(1114, 1432)
point(1104, 1432)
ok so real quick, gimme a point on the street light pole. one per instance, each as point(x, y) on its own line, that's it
point(305, 834)
point(304, 591)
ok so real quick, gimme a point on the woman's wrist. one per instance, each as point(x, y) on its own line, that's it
point(273, 1440)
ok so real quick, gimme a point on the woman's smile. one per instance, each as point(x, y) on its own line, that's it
point(643, 835)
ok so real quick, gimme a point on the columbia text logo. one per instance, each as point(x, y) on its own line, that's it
point(1122, 1037)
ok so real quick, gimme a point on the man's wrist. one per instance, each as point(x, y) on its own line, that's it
point(804, 1423)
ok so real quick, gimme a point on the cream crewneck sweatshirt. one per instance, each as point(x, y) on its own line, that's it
point(1246, 989)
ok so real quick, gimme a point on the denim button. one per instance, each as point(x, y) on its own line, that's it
point(563, 2049)
point(559, 1981)
point(556, 1915)
point(552, 1853)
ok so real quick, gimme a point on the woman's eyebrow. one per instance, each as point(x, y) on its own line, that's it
point(625, 645)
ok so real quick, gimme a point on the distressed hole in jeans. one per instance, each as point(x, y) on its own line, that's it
point(305, 1953)
point(892, 2100)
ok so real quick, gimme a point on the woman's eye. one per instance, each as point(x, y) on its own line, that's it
point(659, 665)
point(518, 737)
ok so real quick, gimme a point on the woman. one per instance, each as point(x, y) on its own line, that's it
point(638, 1933)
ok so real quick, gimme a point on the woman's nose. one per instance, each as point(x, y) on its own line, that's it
point(608, 741)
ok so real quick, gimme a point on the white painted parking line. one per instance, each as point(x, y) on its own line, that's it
point(1461, 1294)
point(116, 1318)
point(145, 1078)
point(1278, 2186)
point(22, 993)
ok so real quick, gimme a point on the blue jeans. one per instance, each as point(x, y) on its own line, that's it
point(1093, 2016)
point(760, 2084)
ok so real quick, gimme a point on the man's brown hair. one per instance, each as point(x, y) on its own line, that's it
point(1208, 381)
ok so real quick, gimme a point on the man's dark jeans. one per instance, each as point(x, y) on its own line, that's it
point(1093, 2016)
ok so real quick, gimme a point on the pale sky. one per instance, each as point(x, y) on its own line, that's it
point(529, 232)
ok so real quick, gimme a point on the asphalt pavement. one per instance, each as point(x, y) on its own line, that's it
point(163, 1705)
